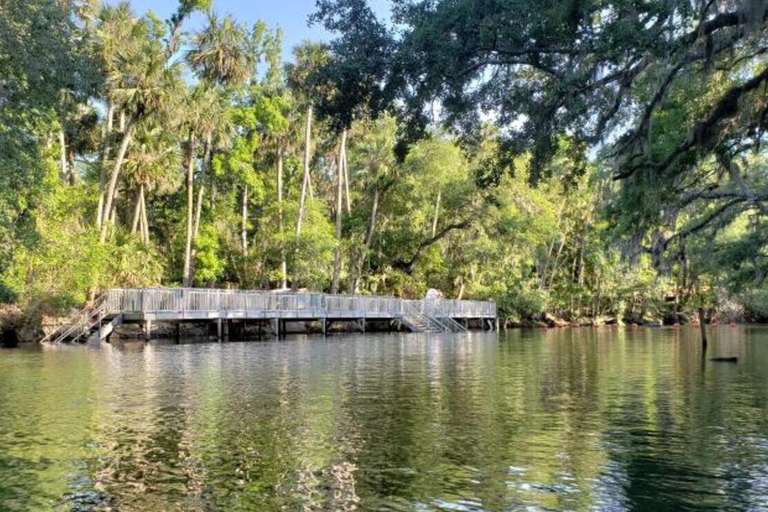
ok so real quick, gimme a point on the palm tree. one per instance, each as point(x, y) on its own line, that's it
point(191, 114)
point(305, 77)
point(373, 158)
point(340, 171)
point(151, 165)
point(224, 52)
point(117, 31)
point(80, 129)
point(142, 84)
point(223, 57)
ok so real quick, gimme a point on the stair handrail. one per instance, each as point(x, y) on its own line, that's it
point(429, 319)
point(415, 309)
point(83, 325)
point(439, 312)
point(88, 324)
point(66, 329)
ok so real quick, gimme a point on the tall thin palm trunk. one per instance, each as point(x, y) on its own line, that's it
point(374, 212)
point(556, 262)
point(190, 163)
point(109, 202)
point(71, 172)
point(137, 213)
point(437, 213)
point(244, 221)
point(207, 155)
point(63, 154)
point(346, 184)
point(303, 199)
point(283, 263)
point(199, 205)
point(105, 134)
point(144, 221)
point(339, 214)
point(367, 242)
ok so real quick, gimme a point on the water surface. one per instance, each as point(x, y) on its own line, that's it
point(577, 420)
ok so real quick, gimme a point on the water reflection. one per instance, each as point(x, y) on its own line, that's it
point(587, 419)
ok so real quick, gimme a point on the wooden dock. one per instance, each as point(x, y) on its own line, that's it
point(276, 309)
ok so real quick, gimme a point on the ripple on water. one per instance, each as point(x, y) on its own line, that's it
point(582, 420)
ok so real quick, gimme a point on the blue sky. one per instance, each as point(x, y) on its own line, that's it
point(291, 15)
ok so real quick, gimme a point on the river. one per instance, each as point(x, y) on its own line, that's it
point(574, 419)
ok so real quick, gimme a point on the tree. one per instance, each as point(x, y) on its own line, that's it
point(143, 84)
point(372, 159)
point(223, 56)
point(43, 53)
point(305, 77)
point(151, 165)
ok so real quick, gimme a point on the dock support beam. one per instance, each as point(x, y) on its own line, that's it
point(147, 330)
point(324, 323)
point(218, 328)
point(225, 325)
point(276, 327)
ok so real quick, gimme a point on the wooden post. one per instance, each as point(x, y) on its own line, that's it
point(147, 330)
point(226, 329)
point(325, 325)
point(218, 328)
point(703, 330)
point(276, 327)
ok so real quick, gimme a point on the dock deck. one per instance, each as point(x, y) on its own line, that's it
point(224, 307)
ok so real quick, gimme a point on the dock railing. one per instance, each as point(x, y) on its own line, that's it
point(128, 301)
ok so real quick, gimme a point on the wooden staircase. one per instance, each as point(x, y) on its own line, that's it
point(85, 323)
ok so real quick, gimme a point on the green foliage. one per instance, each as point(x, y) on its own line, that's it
point(506, 194)
point(314, 254)
point(210, 264)
point(67, 263)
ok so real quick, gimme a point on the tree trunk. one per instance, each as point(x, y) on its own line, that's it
point(346, 184)
point(144, 221)
point(71, 172)
point(352, 268)
point(137, 214)
point(199, 206)
point(543, 270)
point(207, 155)
point(555, 263)
point(63, 154)
point(105, 134)
point(374, 211)
point(304, 187)
point(244, 227)
point(113, 215)
point(339, 214)
point(114, 176)
point(437, 213)
point(363, 257)
point(190, 162)
point(283, 263)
